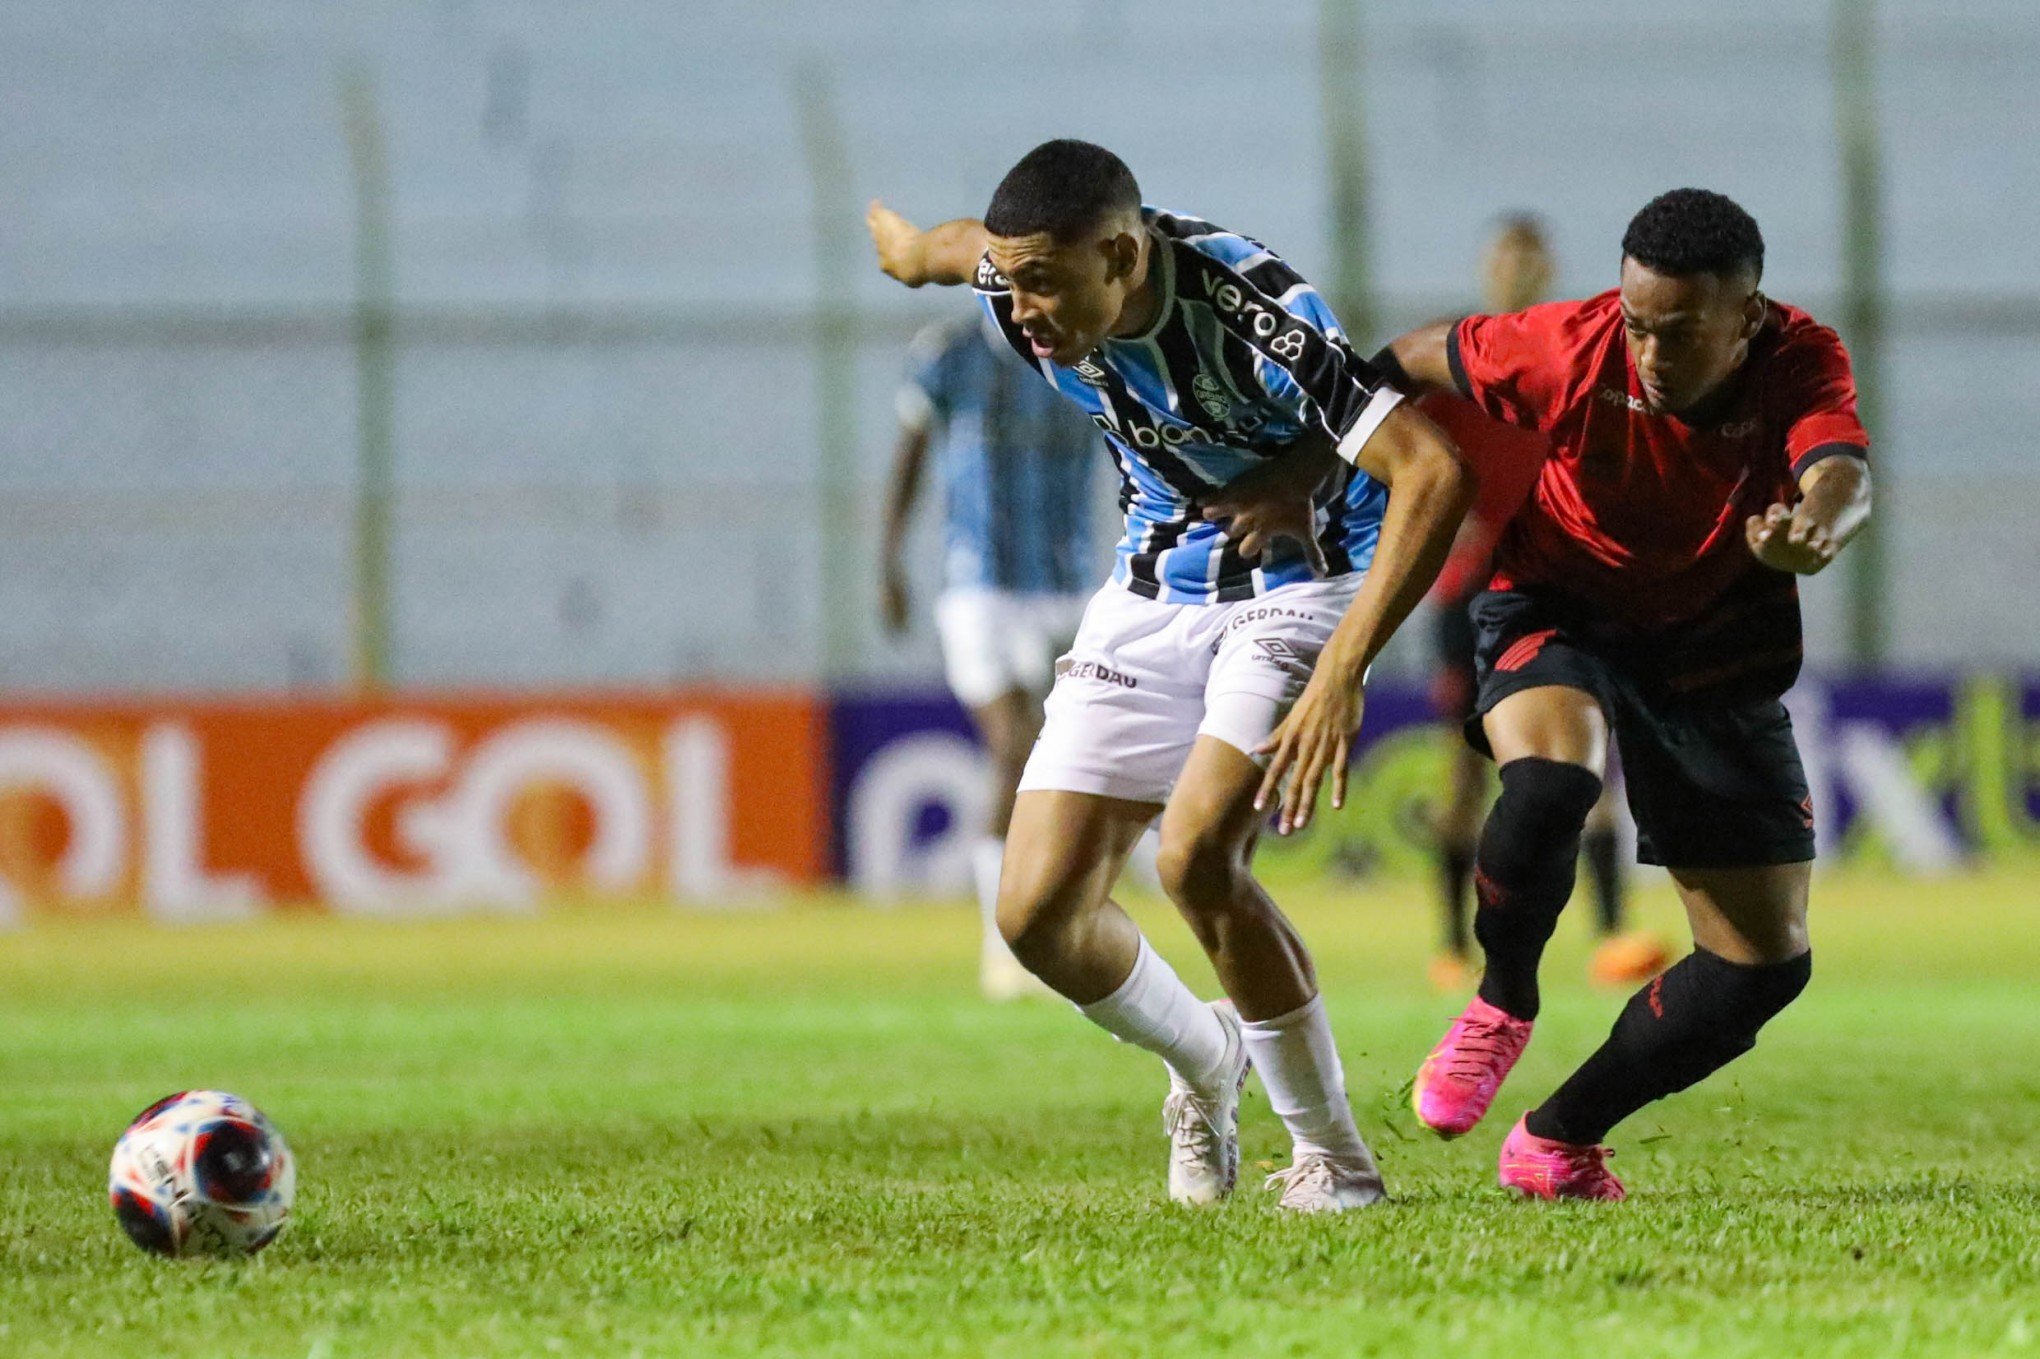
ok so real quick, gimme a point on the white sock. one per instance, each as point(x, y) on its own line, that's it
point(1152, 1009)
point(1299, 1067)
point(985, 857)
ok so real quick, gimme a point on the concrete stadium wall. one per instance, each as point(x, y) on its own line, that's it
point(606, 423)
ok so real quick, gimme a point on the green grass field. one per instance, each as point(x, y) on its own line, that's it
point(799, 1132)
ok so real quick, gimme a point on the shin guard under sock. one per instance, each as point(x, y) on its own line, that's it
point(1680, 1028)
point(1528, 854)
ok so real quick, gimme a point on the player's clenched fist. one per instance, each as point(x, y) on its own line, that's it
point(946, 253)
point(898, 242)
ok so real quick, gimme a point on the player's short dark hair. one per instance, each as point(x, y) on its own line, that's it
point(1064, 188)
point(1695, 231)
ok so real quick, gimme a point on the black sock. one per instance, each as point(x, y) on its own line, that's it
point(1524, 873)
point(1455, 876)
point(1680, 1028)
point(1599, 847)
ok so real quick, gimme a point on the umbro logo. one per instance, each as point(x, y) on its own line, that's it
point(1089, 372)
point(1281, 653)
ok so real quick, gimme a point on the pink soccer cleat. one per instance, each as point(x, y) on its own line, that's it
point(1539, 1168)
point(1458, 1081)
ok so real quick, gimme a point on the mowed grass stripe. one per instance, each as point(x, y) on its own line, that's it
point(799, 1132)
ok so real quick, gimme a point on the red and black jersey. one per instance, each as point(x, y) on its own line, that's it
point(1506, 460)
point(1638, 518)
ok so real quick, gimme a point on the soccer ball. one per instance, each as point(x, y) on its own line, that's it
point(201, 1172)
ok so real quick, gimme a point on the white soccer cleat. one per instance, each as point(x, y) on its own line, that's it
point(1204, 1125)
point(1320, 1183)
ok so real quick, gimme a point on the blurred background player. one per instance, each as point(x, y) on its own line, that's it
point(1016, 463)
point(1516, 272)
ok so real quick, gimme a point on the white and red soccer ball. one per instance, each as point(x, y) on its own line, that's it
point(202, 1172)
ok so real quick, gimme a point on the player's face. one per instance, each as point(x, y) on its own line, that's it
point(1067, 295)
point(1686, 335)
point(1516, 272)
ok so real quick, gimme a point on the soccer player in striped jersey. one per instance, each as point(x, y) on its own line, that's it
point(1017, 467)
point(1257, 454)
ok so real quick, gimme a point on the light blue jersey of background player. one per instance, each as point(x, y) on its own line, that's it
point(1018, 466)
point(1016, 463)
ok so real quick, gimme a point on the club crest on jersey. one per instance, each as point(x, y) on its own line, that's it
point(1211, 396)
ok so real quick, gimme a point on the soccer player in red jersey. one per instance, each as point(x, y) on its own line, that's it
point(1516, 272)
point(1705, 454)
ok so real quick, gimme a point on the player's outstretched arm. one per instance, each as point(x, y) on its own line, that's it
point(1834, 505)
point(946, 254)
point(1429, 493)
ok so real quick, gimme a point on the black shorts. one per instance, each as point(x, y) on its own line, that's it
point(1713, 782)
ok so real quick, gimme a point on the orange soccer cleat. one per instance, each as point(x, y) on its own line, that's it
point(1450, 974)
point(1626, 960)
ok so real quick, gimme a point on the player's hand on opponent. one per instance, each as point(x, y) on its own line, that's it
point(894, 599)
point(1315, 739)
point(1786, 539)
point(899, 245)
point(1269, 502)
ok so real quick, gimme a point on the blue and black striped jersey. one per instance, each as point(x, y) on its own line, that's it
point(1243, 358)
point(1017, 463)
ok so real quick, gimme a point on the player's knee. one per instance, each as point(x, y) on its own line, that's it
point(1032, 930)
point(1197, 868)
point(1783, 942)
point(1534, 827)
point(1038, 906)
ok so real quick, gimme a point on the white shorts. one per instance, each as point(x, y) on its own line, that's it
point(1144, 680)
point(995, 641)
